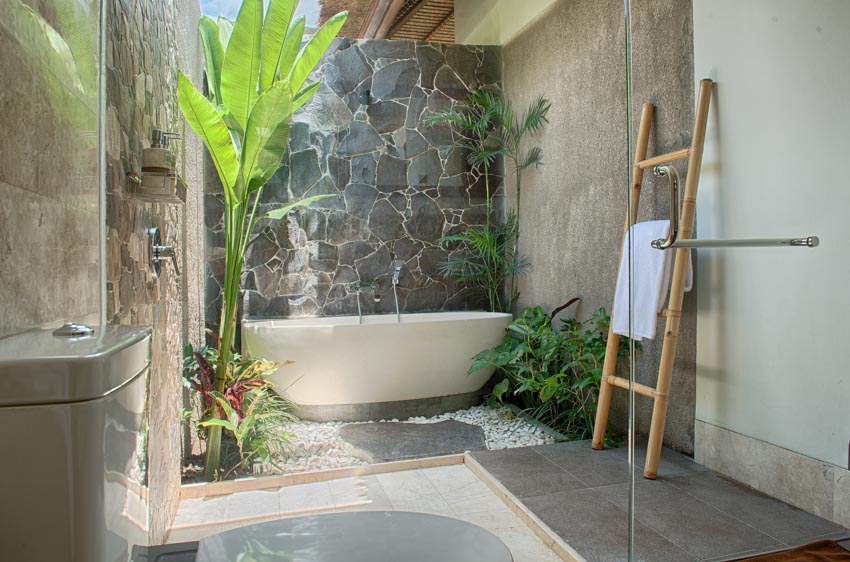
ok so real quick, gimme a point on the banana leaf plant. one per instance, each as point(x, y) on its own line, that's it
point(257, 74)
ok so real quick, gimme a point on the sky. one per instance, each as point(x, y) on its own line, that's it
point(229, 9)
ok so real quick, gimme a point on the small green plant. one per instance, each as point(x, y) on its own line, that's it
point(553, 375)
point(248, 410)
point(486, 258)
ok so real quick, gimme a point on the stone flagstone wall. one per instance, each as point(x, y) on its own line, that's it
point(146, 44)
point(395, 191)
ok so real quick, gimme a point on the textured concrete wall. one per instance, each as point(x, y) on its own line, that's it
point(49, 227)
point(574, 205)
point(146, 44)
point(395, 191)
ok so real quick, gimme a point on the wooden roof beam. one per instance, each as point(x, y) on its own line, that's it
point(380, 18)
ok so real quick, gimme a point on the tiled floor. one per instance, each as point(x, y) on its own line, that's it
point(689, 513)
point(453, 491)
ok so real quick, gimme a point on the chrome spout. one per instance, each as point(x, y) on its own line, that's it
point(397, 266)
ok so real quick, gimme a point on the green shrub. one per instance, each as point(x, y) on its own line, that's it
point(553, 375)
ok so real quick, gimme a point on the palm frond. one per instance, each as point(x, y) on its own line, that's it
point(536, 116)
point(533, 157)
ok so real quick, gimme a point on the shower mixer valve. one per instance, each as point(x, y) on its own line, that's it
point(158, 253)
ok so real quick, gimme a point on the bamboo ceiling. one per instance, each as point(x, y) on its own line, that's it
point(420, 20)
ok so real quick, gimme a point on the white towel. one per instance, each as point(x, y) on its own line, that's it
point(653, 271)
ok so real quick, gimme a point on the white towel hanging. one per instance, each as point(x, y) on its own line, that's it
point(653, 271)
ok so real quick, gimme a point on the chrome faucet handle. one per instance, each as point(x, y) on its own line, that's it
point(362, 287)
point(161, 253)
point(158, 252)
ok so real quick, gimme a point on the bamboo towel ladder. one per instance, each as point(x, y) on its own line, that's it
point(661, 393)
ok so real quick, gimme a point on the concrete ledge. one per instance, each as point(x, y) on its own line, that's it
point(551, 539)
point(209, 489)
point(400, 410)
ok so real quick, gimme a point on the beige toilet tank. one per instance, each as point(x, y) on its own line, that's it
point(73, 431)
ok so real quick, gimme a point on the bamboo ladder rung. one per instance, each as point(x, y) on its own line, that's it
point(641, 389)
point(666, 312)
point(663, 158)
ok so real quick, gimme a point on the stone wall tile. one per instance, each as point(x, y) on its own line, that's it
point(396, 192)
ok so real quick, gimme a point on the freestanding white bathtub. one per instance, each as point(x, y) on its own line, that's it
point(347, 371)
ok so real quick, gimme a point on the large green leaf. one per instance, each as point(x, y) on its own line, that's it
point(208, 124)
point(304, 95)
point(274, 33)
point(213, 56)
point(290, 48)
point(266, 135)
point(281, 212)
point(315, 48)
point(241, 68)
point(225, 30)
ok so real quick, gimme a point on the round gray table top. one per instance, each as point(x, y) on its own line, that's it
point(362, 536)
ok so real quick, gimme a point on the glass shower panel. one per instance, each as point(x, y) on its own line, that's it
point(49, 166)
point(748, 262)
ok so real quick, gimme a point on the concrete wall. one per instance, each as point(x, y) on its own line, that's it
point(771, 323)
point(573, 206)
point(49, 181)
point(147, 42)
point(494, 22)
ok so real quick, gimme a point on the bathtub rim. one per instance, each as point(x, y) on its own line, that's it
point(372, 319)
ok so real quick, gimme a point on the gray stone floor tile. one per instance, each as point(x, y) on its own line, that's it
point(598, 529)
point(672, 463)
point(390, 441)
point(526, 473)
point(593, 468)
point(696, 527)
point(771, 516)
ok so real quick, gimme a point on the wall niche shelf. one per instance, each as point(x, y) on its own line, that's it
point(156, 187)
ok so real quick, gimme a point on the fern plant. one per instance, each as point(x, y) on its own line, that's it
point(257, 71)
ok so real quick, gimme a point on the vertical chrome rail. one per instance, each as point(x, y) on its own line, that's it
point(672, 235)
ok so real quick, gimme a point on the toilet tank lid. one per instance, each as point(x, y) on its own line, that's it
point(37, 367)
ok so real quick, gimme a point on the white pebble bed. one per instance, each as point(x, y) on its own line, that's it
point(316, 445)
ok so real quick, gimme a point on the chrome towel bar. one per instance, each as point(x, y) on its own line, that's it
point(805, 242)
point(672, 238)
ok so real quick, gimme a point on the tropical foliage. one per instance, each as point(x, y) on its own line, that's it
point(486, 258)
point(553, 374)
point(257, 75)
point(512, 131)
point(248, 409)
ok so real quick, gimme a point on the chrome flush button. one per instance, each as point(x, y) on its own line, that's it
point(73, 330)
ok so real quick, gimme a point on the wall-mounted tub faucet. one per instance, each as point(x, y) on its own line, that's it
point(397, 266)
point(360, 287)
